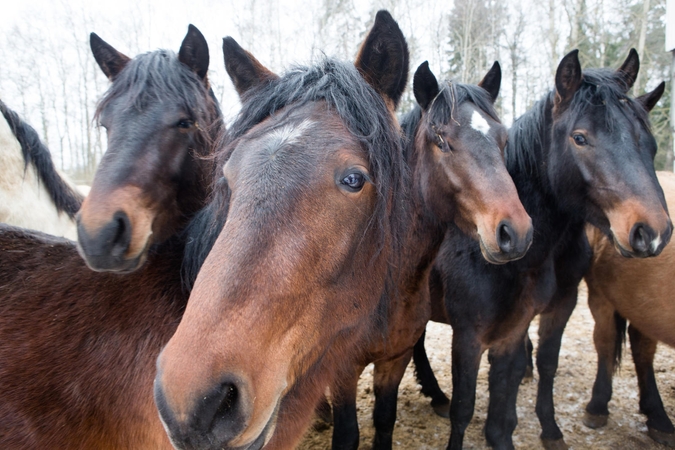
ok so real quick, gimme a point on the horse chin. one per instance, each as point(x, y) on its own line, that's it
point(115, 265)
point(496, 258)
point(625, 252)
point(263, 438)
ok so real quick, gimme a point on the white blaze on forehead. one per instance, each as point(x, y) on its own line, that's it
point(289, 134)
point(479, 123)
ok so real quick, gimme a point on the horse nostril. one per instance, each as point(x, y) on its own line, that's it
point(640, 238)
point(121, 234)
point(505, 238)
point(229, 402)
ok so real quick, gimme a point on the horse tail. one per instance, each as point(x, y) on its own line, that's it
point(35, 152)
point(621, 326)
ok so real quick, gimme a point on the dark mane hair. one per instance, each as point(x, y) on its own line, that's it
point(160, 75)
point(451, 95)
point(366, 116)
point(600, 87)
point(34, 152)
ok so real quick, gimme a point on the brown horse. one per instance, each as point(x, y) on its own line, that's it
point(640, 291)
point(307, 260)
point(77, 347)
point(454, 144)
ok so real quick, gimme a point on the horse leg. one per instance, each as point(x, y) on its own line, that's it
point(659, 425)
point(345, 423)
point(529, 369)
point(386, 379)
point(608, 337)
point(551, 326)
point(506, 373)
point(323, 415)
point(426, 378)
point(466, 353)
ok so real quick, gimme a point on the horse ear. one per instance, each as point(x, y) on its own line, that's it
point(383, 59)
point(244, 70)
point(194, 52)
point(629, 69)
point(425, 86)
point(650, 99)
point(492, 81)
point(568, 77)
point(109, 60)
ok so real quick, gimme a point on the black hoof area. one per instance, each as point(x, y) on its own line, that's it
point(442, 409)
point(594, 421)
point(663, 438)
point(558, 444)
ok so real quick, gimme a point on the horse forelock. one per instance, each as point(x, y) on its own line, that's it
point(160, 76)
point(444, 108)
point(34, 152)
point(604, 88)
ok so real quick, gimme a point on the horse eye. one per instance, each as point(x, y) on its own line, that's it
point(580, 139)
point(354, 181)
point(443, 145)
point(185, 124)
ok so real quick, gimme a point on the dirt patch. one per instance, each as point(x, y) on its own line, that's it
point(417, 426)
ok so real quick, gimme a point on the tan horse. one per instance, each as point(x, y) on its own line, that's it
point(641, 292)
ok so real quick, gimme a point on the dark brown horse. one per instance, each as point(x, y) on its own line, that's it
point(161, 121)
point(454, 144)
point(77, 347)
point(584, 153)
point(307, 260)
point(640, 291)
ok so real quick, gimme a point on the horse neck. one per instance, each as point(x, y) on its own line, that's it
point(531, 178)
point(425, 232)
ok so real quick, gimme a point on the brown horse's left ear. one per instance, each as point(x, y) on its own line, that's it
point(492, 81)
point(629, 69)
point(194, 52)
point(244, 70)
point(383, 59)
point(650, 99)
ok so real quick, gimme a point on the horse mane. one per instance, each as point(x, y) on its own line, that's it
point(34, 152)
point(160, 75)
point(599, 87)
point(366, 116)
point(442, 108)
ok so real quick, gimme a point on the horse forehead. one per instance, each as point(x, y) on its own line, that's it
point(151, 111)
point(287, 135)
point(478, 122)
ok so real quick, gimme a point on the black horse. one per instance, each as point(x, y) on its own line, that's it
point(584, 153)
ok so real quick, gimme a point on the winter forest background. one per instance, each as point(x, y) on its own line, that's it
point(47, 72)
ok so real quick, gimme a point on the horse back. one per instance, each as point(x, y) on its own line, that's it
point(78, 348)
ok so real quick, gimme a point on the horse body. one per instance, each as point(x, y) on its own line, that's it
point(583, 153)
point(447, 156)
point(78, 347)
point(639, 291)
point(33, 194)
